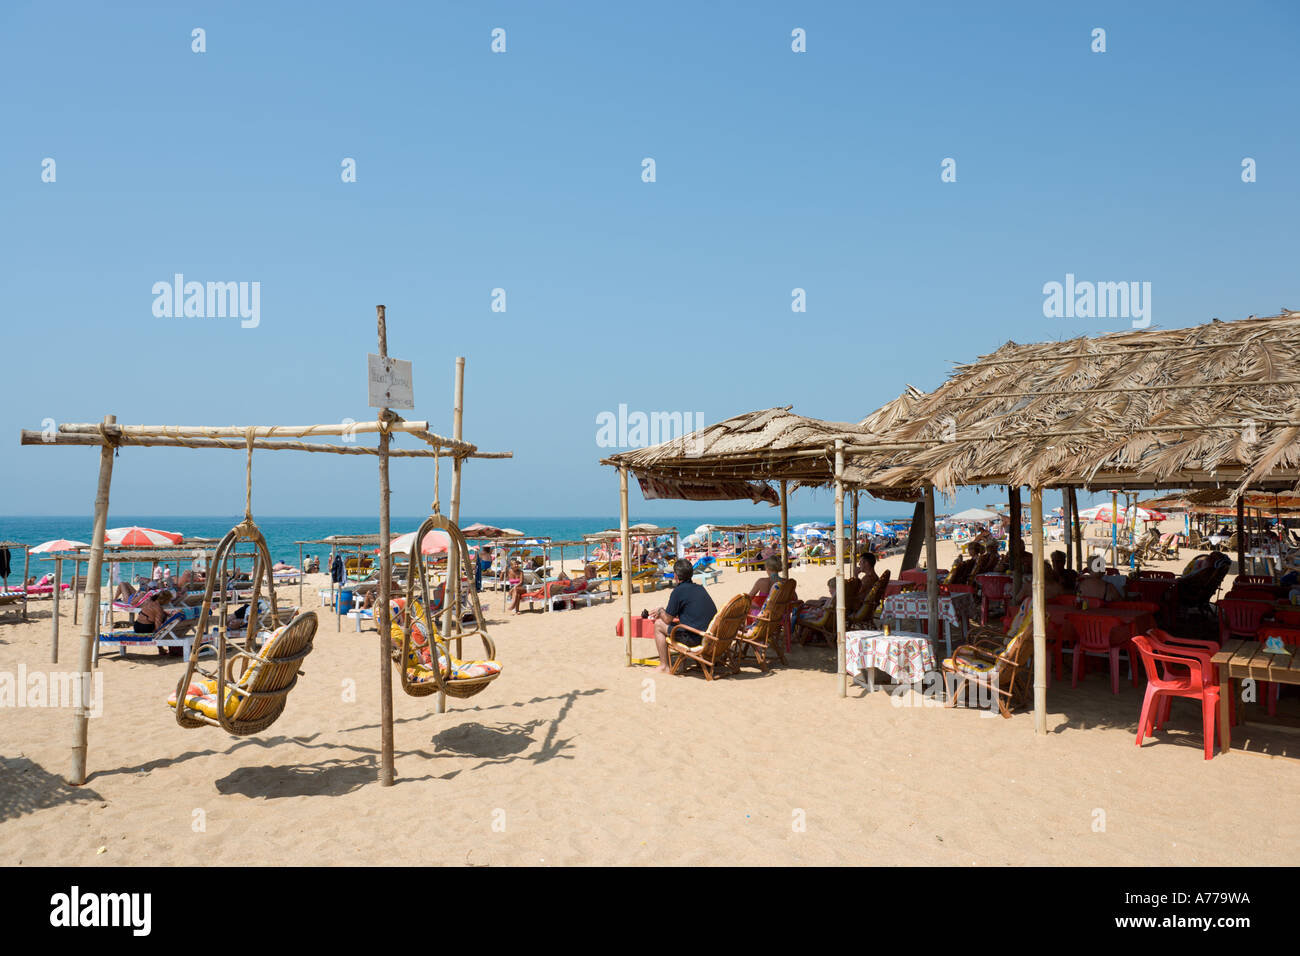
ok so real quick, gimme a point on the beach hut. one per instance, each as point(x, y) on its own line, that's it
point(1214, 406)
point(743, 458)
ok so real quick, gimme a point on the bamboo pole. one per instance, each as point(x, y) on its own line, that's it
point(785, 532)
point(54, 621)
point(336, 429)
point(853, 550)
point(839, 567)
point(451, 583)
point(90, 620)
point(301, 574)
point(76, 587)
point(29, 437)
point(386, 771)
point(626, 545)
point(1067, 526)
point(1040, 612)
point(931, 567)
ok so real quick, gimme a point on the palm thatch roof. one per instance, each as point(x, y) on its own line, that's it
point(773, 444)
point(1213, 405)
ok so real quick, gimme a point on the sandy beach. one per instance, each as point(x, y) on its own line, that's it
point(572, 758)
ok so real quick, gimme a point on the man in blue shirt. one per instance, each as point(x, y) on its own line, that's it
point(688, 604)
point(482, 562)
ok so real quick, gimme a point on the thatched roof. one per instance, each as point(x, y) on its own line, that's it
point(763, 446)
point(1213, 404)
point(1213, 500)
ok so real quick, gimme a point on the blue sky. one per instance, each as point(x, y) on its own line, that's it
point(522, 171)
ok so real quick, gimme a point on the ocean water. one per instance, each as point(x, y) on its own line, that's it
point(282, 534)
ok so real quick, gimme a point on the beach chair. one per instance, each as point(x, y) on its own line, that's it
point(175, 632)
point(996, 662)
point(865, 615)
point(824, 623)
point(714, 652)
point(766, 632)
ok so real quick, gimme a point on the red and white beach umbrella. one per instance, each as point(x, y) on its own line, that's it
point(135, 537)
point(58, 544)
point(1101, 514)
point(435, 542)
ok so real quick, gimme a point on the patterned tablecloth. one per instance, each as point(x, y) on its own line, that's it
point(915, 605)
point(904, 655)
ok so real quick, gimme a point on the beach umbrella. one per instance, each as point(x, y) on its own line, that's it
point(58, 544)
point(435, 541)
point(974, 514)
point(704, 529)
point(135, 537)
point(1102, 514)
point(480, 530)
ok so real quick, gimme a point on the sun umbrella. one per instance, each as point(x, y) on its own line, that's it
point(974, 514)
point(1102, 515)
point(435, 542)
point(135, 537)
point(704, 529)
point(58, 544)
point(480, 530)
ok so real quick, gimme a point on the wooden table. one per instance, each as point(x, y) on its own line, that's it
point(1239, 660)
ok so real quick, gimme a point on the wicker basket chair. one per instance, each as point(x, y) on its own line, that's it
point(253, 699)
point(443, 666)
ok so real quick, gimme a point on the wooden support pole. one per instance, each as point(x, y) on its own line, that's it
point(301, 574)
point(1114, 529)
point(839, 567)
point(1040, 612)
point(54, 621)
point(90, 619)
point(1241, 534)
point(1015, 543)
point(853, 551)
point(625, 559)
point(915, 538)
point(386, 771)
point(1076, 531)
point(453, 554)
point(1067, 528)
point(932, 567)
point(76, 587)
point(27, 565)
point(785, 531)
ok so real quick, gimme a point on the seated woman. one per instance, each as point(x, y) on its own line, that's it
point(762, 587)
point(153, 612)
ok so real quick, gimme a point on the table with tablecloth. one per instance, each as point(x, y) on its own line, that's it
point(954, 609)
point(906, 656)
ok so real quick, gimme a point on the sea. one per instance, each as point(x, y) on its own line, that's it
point(283, 533)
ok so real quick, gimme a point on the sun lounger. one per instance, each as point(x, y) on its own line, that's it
point(176, 631)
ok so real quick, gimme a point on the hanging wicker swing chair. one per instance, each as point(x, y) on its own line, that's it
point(253, 683)
point(424, 659)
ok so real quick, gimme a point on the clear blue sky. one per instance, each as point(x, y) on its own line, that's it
point(522, 171)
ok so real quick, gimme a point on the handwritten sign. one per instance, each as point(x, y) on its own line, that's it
point(390, 383)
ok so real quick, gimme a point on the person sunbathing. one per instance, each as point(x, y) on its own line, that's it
point(153, 613)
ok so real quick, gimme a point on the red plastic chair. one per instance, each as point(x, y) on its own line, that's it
point(1064, 600)
point(1176, 671)
point(1287, 617)
point(1095, 634)
point(912, 576)
point(1291, 638)
point(995, 589)
point(1239, 618)
point(1251, 592)
point(1195, 644)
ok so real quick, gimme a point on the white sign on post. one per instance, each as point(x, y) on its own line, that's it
point(390, 383)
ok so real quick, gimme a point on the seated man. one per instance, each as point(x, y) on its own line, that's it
point(689, 604)
point(1096, 587)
